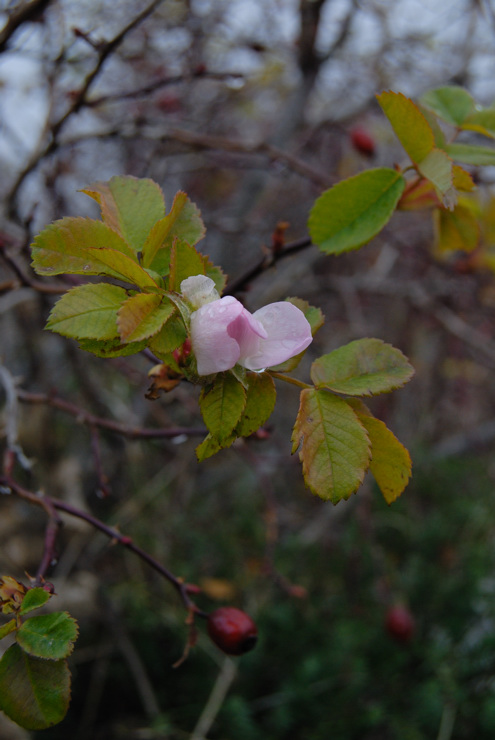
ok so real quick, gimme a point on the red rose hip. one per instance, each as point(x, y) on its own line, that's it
point(362, 141)
point(399, 623)
point(232, 630)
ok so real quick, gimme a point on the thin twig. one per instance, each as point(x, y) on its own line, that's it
point(84, 417)
point(265, 263)
point(49, 503)
point(215, 700)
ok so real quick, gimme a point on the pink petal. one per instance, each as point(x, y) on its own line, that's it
point(288, 333)
point(214, 348)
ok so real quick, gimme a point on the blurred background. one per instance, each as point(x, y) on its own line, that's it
point(376, 622)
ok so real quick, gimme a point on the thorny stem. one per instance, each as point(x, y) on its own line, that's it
point(52, 504)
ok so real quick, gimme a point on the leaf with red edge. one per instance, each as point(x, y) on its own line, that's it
point(334, 446)
point(129, 206)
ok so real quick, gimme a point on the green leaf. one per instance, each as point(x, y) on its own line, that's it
point(468, 154)
point(88, 312)
point(49, 636)
point(409, 123)
point(33, 599)
point(452, 104)
point(390, 461)
point(111, 347)
point(185, 261)
point(211, 445)
point(124, 268)
point(7, 628)
point(482, 121)
point(172, 335)
point(260, 402)
point(68, 246)
point(222, 404)
point(129, 206)
point(335, 449)
point(143, 315)
point(456, 230)
point(34, 693)
point(183, 222)
point(437, 167)
point(352, 212)
point(364, 367)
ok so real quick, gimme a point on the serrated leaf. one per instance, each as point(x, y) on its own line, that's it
point(222, 404)
point(452, 104)
point(481, 121)
point(335, 449)
point(7, 628)
point(129, 206)
point(88, 312)
point(169, 337)
point(456, 230)
point(409, 123)
point(111, 347)
point(419, 194)
point(468, 154)
point(34, 693)
point(124, 268)
point(352, 212)
point(364, 367)
point(260, 402)
point(437, 168)
point(463, 179)
point(211, 445)
point(33, 599)
point(143, 315)
point(49, 636)
point(390, 461)
point(185, 261)
point(67, 246)
point(183, 222)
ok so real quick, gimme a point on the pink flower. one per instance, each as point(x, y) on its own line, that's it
point(224, 333)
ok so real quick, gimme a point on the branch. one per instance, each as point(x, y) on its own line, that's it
point(25, 12)
point(104, 51)
point(207, 141)
point(158, 84)
point(50, 504)
point(84, 417)
point(265, 263)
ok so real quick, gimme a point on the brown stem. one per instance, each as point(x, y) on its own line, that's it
point(50, 504)
point(84, 417)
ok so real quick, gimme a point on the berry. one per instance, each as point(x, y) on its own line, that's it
point(362, 141)
point(232, 630)
point(399, 623)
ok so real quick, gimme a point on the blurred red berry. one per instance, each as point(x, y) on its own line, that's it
point(232, 630)
point(399, 623)
point(362, 141)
